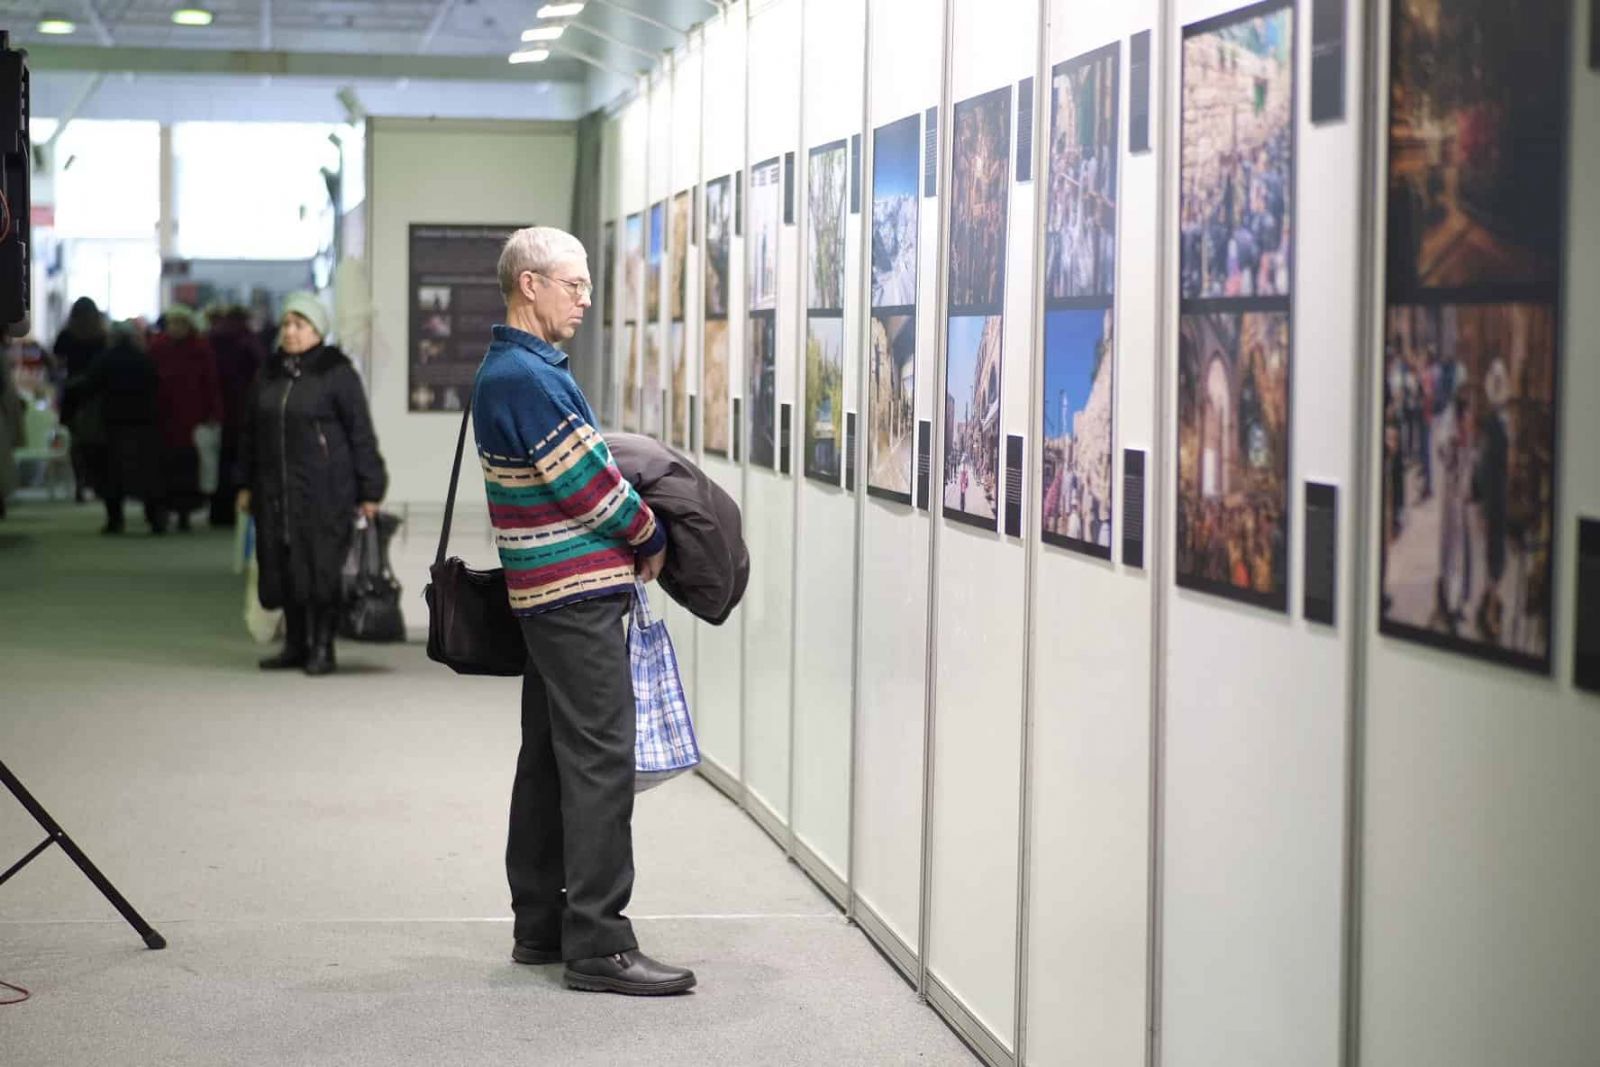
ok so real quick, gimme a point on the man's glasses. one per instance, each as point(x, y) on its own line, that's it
point(579, 290)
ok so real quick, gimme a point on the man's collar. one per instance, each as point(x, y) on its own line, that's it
point(537, 345)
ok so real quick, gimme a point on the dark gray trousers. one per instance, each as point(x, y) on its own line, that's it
point(569, 857)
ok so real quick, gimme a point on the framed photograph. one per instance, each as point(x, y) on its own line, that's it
point(761, 241)
point(680, 385)
point(1076, 510)
point(1081, 198)
point(827, 189)
point(652, 265)
point(823, 416)
point(972, 421)
point(650, 387)
point(630, 377)
point(979, 197)
point(719, 239)
point(1233, 455)
point(632, 266)
point(895, 226)
point(605, 277)
point(891, 413)
point(678, 254)
point(714, 387)
point(761, 383)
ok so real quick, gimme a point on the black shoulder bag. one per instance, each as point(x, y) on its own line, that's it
point(470, 626)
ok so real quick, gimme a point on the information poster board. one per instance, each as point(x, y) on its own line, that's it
point(454, 297)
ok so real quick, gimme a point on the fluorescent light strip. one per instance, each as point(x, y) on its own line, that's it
point(531, 55)
point(57, 27)
point(192, 16)
point(559, 11)
point(543, 33)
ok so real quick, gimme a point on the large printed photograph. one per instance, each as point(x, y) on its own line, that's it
point(1237, 170)
point(1233, 454)
point(824, 401)
point(678, 254)
point(761, 236)
point(652, 394)
point(656, 240)
point(979, 193)
point(630, 378)
point(714, 391)
point(827, 188)
point(891, 418)
point(896, 172)
point(718, 241)
point(972, 420)
point(632, 266)
point(1081, 202)
point(680, 385)
point(608, 274)
point(761, 383)
point(1076, 510)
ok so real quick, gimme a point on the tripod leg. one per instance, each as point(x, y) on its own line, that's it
point(152, 939)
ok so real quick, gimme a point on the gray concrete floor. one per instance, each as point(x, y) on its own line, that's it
point(324, 856)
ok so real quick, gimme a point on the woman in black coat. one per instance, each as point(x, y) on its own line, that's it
point(121, 386)
point(309, 462)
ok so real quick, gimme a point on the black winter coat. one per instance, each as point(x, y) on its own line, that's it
point(309, 456)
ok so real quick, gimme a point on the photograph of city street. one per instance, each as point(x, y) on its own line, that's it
point(761, 384)
point(824, 411)
point(678, 259)
point(1237, 170)
point(979, 188)
point(652, 263)
point(1076, 509)
point(761, 240)
point(891, 417)
point(630, 380)
point(606, 278)
point(632, 266)
point(714, 387)
point(1469, 462)
point(1081, 219)
point(650, 386)
point(680, 386)
point(1477, 122)
point(1233, 455)
point(972, 420)
point(718, 240)
point(895, 174)
point(825, 209)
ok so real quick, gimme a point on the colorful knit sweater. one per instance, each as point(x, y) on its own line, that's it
point(567, 524)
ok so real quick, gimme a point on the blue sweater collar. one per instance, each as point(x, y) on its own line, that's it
point(537, 345)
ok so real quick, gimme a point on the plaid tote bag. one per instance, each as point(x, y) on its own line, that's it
point(664, 744)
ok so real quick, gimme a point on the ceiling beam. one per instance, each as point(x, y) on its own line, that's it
point(101, 30)
point(81, 98)
point(628, 11)
point(593, 61)
point(576, 25)
point(435, 24)
point(294, 64)
point(266, 25)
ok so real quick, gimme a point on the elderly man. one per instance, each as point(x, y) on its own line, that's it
point(572, 536)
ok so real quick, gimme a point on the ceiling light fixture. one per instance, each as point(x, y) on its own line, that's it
point(544, 33)
point(559, 11)
point(57, 27)
point(531, 55)
point(192, 16)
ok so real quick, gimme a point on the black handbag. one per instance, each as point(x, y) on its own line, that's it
point(370, 606)
point(470, 626)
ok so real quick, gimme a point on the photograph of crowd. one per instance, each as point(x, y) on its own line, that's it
point(650, 386)
point(603, 278)
point(1233, 455)
point(678, 259)
point(972, 420)
point(1237, 169)
point(891, 416)
point(824, 411)
point(680, 385)
point(718, 241)
point(761, 240)
point(1477, 123)
point(825, 211)
point(1077, 487)
point(630, 379)
point(1469, 441)
point(1081, 218)
point(655, 248)
point(979, 188)
point(761, 384)
point(896, 172)
point(714, 387)
point(632, 266)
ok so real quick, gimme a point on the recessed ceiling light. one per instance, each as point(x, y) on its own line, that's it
point(57, 27)
point(559, 11)
point(543, 33)
point(531, 55)
point(192, 16)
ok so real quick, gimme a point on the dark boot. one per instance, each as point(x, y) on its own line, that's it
point(324, 620)
point(295, 650)
point(631, 973)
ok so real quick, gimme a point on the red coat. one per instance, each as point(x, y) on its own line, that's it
point(189, 393)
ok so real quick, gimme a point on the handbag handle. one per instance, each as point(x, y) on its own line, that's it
point(455, 476)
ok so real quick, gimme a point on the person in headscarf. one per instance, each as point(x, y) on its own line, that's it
point(239, 354)
point(79, 342)
point(122, 385)
point(190, 396)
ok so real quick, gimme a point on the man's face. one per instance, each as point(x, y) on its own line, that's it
point(562, 297)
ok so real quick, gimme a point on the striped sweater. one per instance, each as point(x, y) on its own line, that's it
point(568, 526)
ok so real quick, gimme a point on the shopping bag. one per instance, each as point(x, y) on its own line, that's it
point(208, 443)
point(370, 609)
point(262, 623)
point(664, 743)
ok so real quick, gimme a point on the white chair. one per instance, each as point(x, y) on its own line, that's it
point(49, 444)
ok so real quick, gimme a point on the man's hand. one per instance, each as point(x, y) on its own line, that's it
point(649, 567)
point(369, 508)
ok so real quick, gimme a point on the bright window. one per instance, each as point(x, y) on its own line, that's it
point(252, 190)
point(108, 180)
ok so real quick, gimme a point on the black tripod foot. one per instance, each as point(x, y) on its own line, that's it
point(154, 940)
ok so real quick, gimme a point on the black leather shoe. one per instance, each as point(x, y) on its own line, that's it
point(632, 973)
point(320, 659)
point(532, 952)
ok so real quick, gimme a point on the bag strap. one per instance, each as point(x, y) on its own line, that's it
point(455, 476)
point(642, 615)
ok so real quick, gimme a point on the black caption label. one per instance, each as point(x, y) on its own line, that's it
point(1133, 507)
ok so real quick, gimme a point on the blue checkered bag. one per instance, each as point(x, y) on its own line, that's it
point(664, 744)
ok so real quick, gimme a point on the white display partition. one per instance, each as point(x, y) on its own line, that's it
point(1256, 698)
point(825, 532)
point(632, 174)
point(979, 668)
point(774, 131)
point(1089, 751)
point(1481, 852)
point(904, 81)
point(720, 649)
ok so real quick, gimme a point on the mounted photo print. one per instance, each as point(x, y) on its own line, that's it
point(714, 387)
point(895, 167)
point(679, 388)
point(655, 247)
point(761, 385)
point(891, 419)
point(826, 206)
point(678, 257)
point(630, 378)
point(980, 189)
point(761, 237)
point(1081, 199)
point(719, 239)
point(892, 336)
point(972, 421)
point(632, 267)
point(1077, 489)
point(823, 416)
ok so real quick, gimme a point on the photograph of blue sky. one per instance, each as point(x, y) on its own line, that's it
point(1070, 338)
point(896, 168)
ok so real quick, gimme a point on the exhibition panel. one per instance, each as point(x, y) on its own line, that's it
point(1480, 747)
point(1087, 914)
point(631, 193)
point(829, 219)
point(772, 247)
point(905, 79)
point(980, 590)
point(654, 375)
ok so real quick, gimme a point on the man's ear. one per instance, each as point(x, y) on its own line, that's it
point(527, 282)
